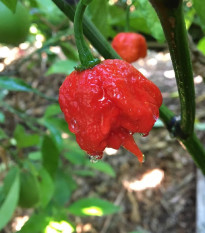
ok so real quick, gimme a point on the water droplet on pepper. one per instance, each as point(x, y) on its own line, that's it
point(94, 158)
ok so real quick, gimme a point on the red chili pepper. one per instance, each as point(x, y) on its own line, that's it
point(104, 106)
point(130, 46)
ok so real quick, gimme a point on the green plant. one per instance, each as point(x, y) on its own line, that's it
point(44, 148)
point(183, 129)
point(14, 27)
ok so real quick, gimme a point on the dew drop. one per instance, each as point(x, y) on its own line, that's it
point(74, 126)
point(94, 158)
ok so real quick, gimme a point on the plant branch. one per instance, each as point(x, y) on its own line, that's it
point(170, 13)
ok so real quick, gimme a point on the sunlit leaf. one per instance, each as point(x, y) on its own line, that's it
point(57, 227)
point(200, 9)
point(98, 13)
point(146, 10)
point(62, 67)
point(93, 207)
point(201, 45)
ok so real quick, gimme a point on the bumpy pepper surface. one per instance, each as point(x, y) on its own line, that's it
point(104, 106)
point(130, 46)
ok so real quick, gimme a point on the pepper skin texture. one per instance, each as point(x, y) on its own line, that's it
point(130, 46)
point(104, 106)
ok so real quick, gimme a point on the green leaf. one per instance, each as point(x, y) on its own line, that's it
point(75, 154)
point(69, 51)
point(8, 181)
point(93, 207)
point(60, 226)
point(85, 173)
point(11, 4)
point(35, 155)
point(25, 140)
point(55, 132)
point(117, 18)
point(50, 155)
point(36, 223)
point(98, 13)
point(145, 9)
point(58, 123)
point(189, 16)
point(11, 201)
point(102, 167)
point(64, 185)
point(51, 12)
point(46, 186)
point(16, 84)
point(52, 110)
point(200, 9)
point(62, 67)
point(201, 45)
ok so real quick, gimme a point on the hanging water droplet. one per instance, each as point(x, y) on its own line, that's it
point(94, 158)
point(143, 134)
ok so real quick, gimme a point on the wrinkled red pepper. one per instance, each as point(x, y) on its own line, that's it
point(104, 106)
point(130, 46)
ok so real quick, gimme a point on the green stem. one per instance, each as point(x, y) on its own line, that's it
point(91, 32)
point(192, 144)
point(127, 21)
point(86, 57)
point(170, 13)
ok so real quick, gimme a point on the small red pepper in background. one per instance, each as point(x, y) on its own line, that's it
point(130, 46)
point(105, 105)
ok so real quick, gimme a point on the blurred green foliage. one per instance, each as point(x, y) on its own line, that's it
point(44, 148)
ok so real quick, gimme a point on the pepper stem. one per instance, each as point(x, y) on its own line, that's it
point(86, 58)
point(170, 13)
point(127, 25)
